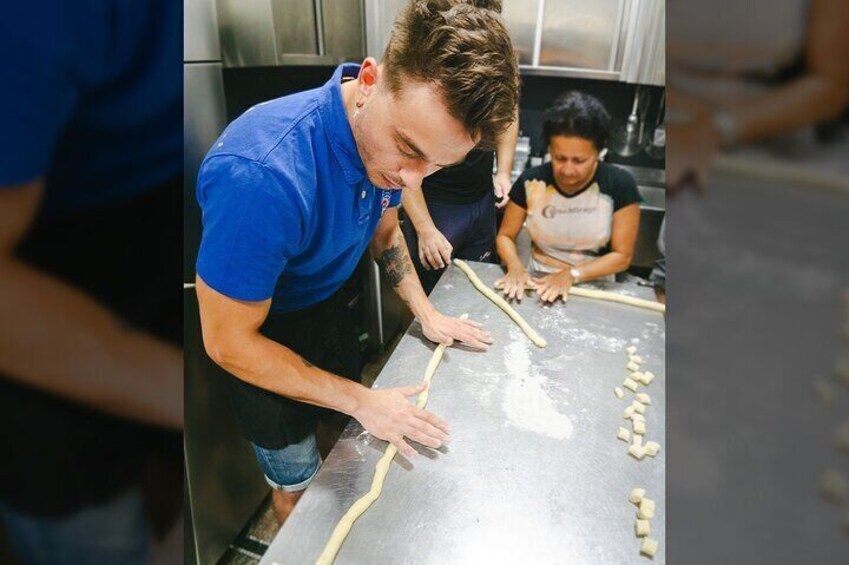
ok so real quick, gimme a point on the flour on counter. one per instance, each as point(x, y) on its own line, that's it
point(526, 403)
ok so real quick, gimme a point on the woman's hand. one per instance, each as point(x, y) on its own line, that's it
point(434, 249)
point(553, 286)
point(513, 283)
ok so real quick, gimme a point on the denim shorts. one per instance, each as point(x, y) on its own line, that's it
point(291, 468)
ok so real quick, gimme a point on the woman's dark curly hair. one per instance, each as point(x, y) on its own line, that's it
point(576, 114)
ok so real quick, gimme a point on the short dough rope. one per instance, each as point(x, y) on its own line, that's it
point(603, 295)
point(501, 303)
point(328, 555)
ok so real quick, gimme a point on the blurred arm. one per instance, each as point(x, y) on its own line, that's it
point(56, 338)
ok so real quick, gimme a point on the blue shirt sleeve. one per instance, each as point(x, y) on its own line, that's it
point(253, 222)
point(394, 198)
point(38, 92)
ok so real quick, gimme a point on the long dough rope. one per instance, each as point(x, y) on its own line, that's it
point(604, 295)
point(337, 538)
point(501, 303)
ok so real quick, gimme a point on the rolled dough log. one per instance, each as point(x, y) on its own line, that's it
point(604, 295)
point(501, 303)
point(328, 555)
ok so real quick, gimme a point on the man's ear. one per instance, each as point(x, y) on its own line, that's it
point(369, 75)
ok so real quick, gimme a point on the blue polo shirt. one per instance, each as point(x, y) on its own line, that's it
point(286, 206)
point(91, 98)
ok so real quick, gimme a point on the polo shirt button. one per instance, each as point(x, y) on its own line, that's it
point(363, 195)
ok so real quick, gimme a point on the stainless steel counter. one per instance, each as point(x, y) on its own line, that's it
point(534, 472)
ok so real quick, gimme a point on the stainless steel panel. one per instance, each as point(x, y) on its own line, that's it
point(295, 27)
point(579, 33)
point(521, 18)
point(644, 57)
point(224, 483)
point(343, 28)
point(247, 34)
point(200, 31)
point(568, 72)
point(379, 16)
point(534, 472)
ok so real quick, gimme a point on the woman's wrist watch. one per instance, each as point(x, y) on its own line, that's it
point(576, 275)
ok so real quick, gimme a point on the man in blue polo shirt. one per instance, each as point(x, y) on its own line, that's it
point(293, 193)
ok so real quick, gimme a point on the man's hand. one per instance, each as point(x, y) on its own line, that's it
point(502, 186)
point(553, 286)
point(513, 283)
point(434, 249)
point(440, 328)
point(387, 415)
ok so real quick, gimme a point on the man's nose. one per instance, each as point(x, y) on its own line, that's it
point(412, 176)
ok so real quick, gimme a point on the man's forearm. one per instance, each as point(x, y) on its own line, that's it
point(416, 209)
point(394, 260)
point(55, 338)
point(506, 149)
point(269, 365)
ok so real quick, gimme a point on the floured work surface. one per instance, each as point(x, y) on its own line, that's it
point(534, 472)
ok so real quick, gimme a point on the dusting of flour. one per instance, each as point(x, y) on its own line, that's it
point(526, 403)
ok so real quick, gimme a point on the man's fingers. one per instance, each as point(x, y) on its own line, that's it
point(446, 254)
point(423, 258)
point(422, 438)
point(436, 436)
point(403, 447)
point(431, 419)
point(413, 390)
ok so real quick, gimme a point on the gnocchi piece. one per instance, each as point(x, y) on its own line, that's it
point(646, 510)
point(630, 384)
point(635, 359)
point(638, 417)
point(642, 528)
point(636, 495)
point(637, 452)
point(631, 366)
point(649, 547)
point(639, 407)
point(652, 448)
point(618, 392)
point(623, 434)
point(825, 391)
point(639, 427)
point(631, 349)
point(833, 485)
point(637, 376)
point(644, 398)
point(628, 412)
point(841, 371)
point(648, 377)
point(841, 437)
point(638, 441)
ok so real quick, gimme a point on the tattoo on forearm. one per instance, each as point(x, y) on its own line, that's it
point(395, 262)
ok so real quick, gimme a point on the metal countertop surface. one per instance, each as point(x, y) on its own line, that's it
point(534, 472)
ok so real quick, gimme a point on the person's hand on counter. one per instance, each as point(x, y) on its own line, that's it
point(440, 328)
point(501, 186)
point(388, 415)
point(553, 286)
point(434, 249)
point(514, 282)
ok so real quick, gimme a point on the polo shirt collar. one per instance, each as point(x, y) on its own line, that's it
point(332, 110)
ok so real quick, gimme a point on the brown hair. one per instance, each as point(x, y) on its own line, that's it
point(466, 52)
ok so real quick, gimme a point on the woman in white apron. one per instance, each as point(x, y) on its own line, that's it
point(582, 214)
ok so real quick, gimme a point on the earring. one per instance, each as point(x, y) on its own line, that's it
point(359, 103)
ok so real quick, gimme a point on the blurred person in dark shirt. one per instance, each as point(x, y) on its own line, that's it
point(90, 258)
